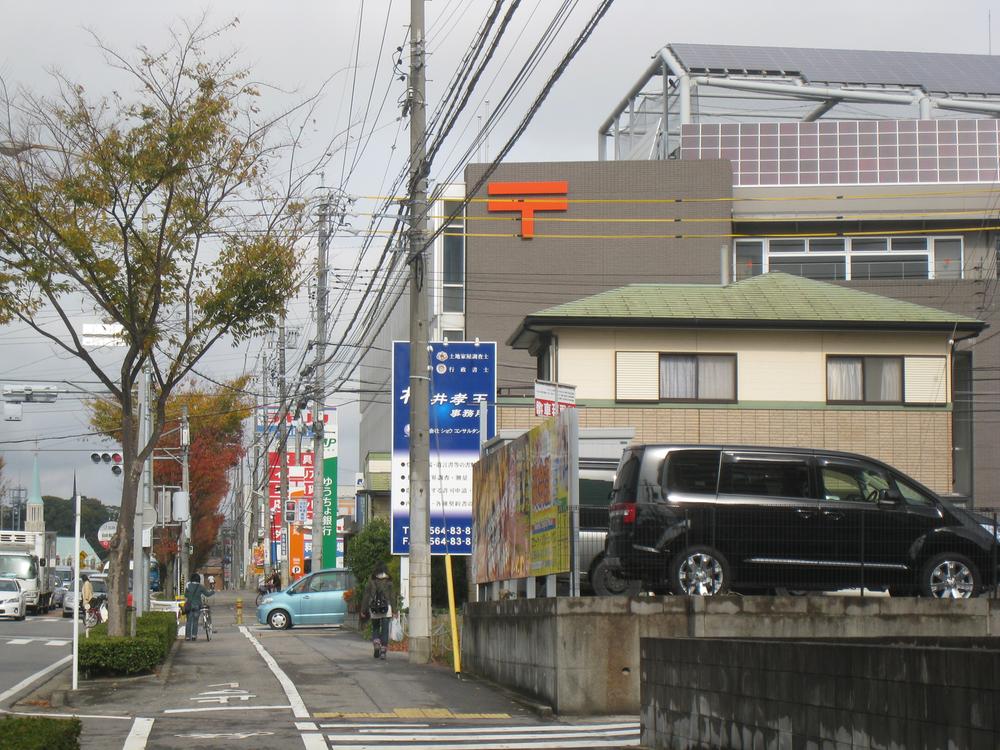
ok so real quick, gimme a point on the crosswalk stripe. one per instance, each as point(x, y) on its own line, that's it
point(56, 643)
point(526, 745)
point(19, 641)
point(512, 735)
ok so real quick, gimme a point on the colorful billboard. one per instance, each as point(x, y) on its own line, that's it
point(463, 376)
point(522, 495)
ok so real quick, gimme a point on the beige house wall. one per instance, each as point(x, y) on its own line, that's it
point(787, 366)
point(917, 442)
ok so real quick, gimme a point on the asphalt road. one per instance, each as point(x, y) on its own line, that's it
point(311, 688)
point(30, 646)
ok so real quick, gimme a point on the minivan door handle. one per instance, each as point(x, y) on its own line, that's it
point(834, 514)
point(806, 513)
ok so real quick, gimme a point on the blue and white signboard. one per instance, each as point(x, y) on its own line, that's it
point(463, 375)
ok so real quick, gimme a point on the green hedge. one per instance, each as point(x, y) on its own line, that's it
point(39, 733)
point(155, 633)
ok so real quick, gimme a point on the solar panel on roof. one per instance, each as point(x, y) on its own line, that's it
point(935, 72)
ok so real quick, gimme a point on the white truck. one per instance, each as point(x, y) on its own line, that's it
point(27, 556)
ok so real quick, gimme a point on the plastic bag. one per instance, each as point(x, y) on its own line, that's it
point(395, 629)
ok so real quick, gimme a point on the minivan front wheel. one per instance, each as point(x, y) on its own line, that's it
point(949, 576)
point(699, 571)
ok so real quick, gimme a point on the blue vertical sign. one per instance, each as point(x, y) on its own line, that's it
point(463, 375)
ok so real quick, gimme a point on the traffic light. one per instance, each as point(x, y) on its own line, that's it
point(289, 511)
point(114, 459)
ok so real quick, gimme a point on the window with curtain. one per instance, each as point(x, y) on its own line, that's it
point(698, 377)
point(877, 380)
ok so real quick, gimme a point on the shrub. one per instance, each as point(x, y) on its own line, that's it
point(366, 550)
point(155, 633)
point(39, 733)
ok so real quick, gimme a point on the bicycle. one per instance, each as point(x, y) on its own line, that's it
point(92, 615)
point(205, 621)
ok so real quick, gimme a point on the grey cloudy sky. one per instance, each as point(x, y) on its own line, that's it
point(297, 46)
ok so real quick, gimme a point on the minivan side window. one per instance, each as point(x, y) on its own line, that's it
point(852, 483)
point(693, 472)
point(911, 495)
point(770, 476)
point(626, 479)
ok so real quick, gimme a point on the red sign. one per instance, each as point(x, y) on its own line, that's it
point(300, 487)
point(528, 206)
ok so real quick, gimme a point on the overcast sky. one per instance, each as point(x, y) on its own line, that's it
point(298, 46)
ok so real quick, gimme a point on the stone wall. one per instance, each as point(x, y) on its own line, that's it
point(726, 693)
point(581, 656)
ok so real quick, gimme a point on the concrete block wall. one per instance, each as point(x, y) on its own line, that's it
point(582, 656)
point(727, 693)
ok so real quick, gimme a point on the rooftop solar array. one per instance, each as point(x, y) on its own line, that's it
point(935, 72)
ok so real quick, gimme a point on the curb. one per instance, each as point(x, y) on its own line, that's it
point(38, 689)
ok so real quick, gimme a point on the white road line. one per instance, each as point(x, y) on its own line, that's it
point(527, 745)
point(299, 709)
point(19, 641)
point(306, 726)
point(628, 726)
point(470, 735)
point(56, 643)
point(316, 742)
point(137, 738)
point(221, 708)
point(12, 691)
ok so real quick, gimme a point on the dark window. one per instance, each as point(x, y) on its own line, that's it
point(748, 260)
point(698, 377)
point(777, 476)
point(627, 478)
point(693, 472)
point(889, 267)
point(453, 299)
point(453, 334)
point(453, 261)
point(877, 380)
point(911, 495)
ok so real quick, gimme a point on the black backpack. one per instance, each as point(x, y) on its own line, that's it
point(379, 605)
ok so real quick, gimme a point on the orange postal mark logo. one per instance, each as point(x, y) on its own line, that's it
point(527, 206)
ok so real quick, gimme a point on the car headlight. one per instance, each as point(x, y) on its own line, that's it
point(267, 600)
point(991, 529)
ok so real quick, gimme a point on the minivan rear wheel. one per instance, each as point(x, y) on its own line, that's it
point(699, 571)
point(609, 581)
point(949, 576)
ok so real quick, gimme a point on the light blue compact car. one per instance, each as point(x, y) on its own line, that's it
point(317, 599)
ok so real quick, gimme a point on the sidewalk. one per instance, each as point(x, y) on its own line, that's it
point(226, 689)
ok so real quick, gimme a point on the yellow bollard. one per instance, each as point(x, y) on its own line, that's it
point(239, 611)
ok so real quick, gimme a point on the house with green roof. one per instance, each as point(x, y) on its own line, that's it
point(773, 359)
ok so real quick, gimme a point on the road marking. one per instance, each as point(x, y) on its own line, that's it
point(19, 641)
point(407, 713)
point(56, 643)
point(305, 726)
point(221, 708)
point(372, 726)
point(525, 745)
point(10, 692)
point(317, 742)
point(299, 710)
point(226, 735)
point(137, 738)
point(619, 728)
point(508, 734)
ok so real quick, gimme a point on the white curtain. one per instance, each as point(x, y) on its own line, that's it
point(678, 376)
point(717, 378)
point(884, 379)
point(843, 379)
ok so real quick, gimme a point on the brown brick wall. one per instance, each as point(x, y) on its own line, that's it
point(918, 443)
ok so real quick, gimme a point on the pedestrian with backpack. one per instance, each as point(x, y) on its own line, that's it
point(376, 603)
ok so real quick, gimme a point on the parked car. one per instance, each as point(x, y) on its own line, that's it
point(316, 599)
point(12, 600)
point(705, 520)
point(100, 584)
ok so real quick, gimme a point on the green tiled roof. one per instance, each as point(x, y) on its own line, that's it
point(769, 297)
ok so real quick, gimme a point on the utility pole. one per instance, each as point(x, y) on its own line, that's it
point(319, 397)
point(137, 598)
point(419, 490)
point(283, 448)
point(185, 532)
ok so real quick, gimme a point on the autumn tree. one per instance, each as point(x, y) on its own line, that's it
point(216, 413)
point(170, 209)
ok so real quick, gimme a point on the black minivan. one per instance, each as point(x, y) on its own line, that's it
point(705, 520)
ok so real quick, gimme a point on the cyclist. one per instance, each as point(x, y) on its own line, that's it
point(194, 598)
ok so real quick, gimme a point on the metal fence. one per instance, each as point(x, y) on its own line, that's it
point(775, 548)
